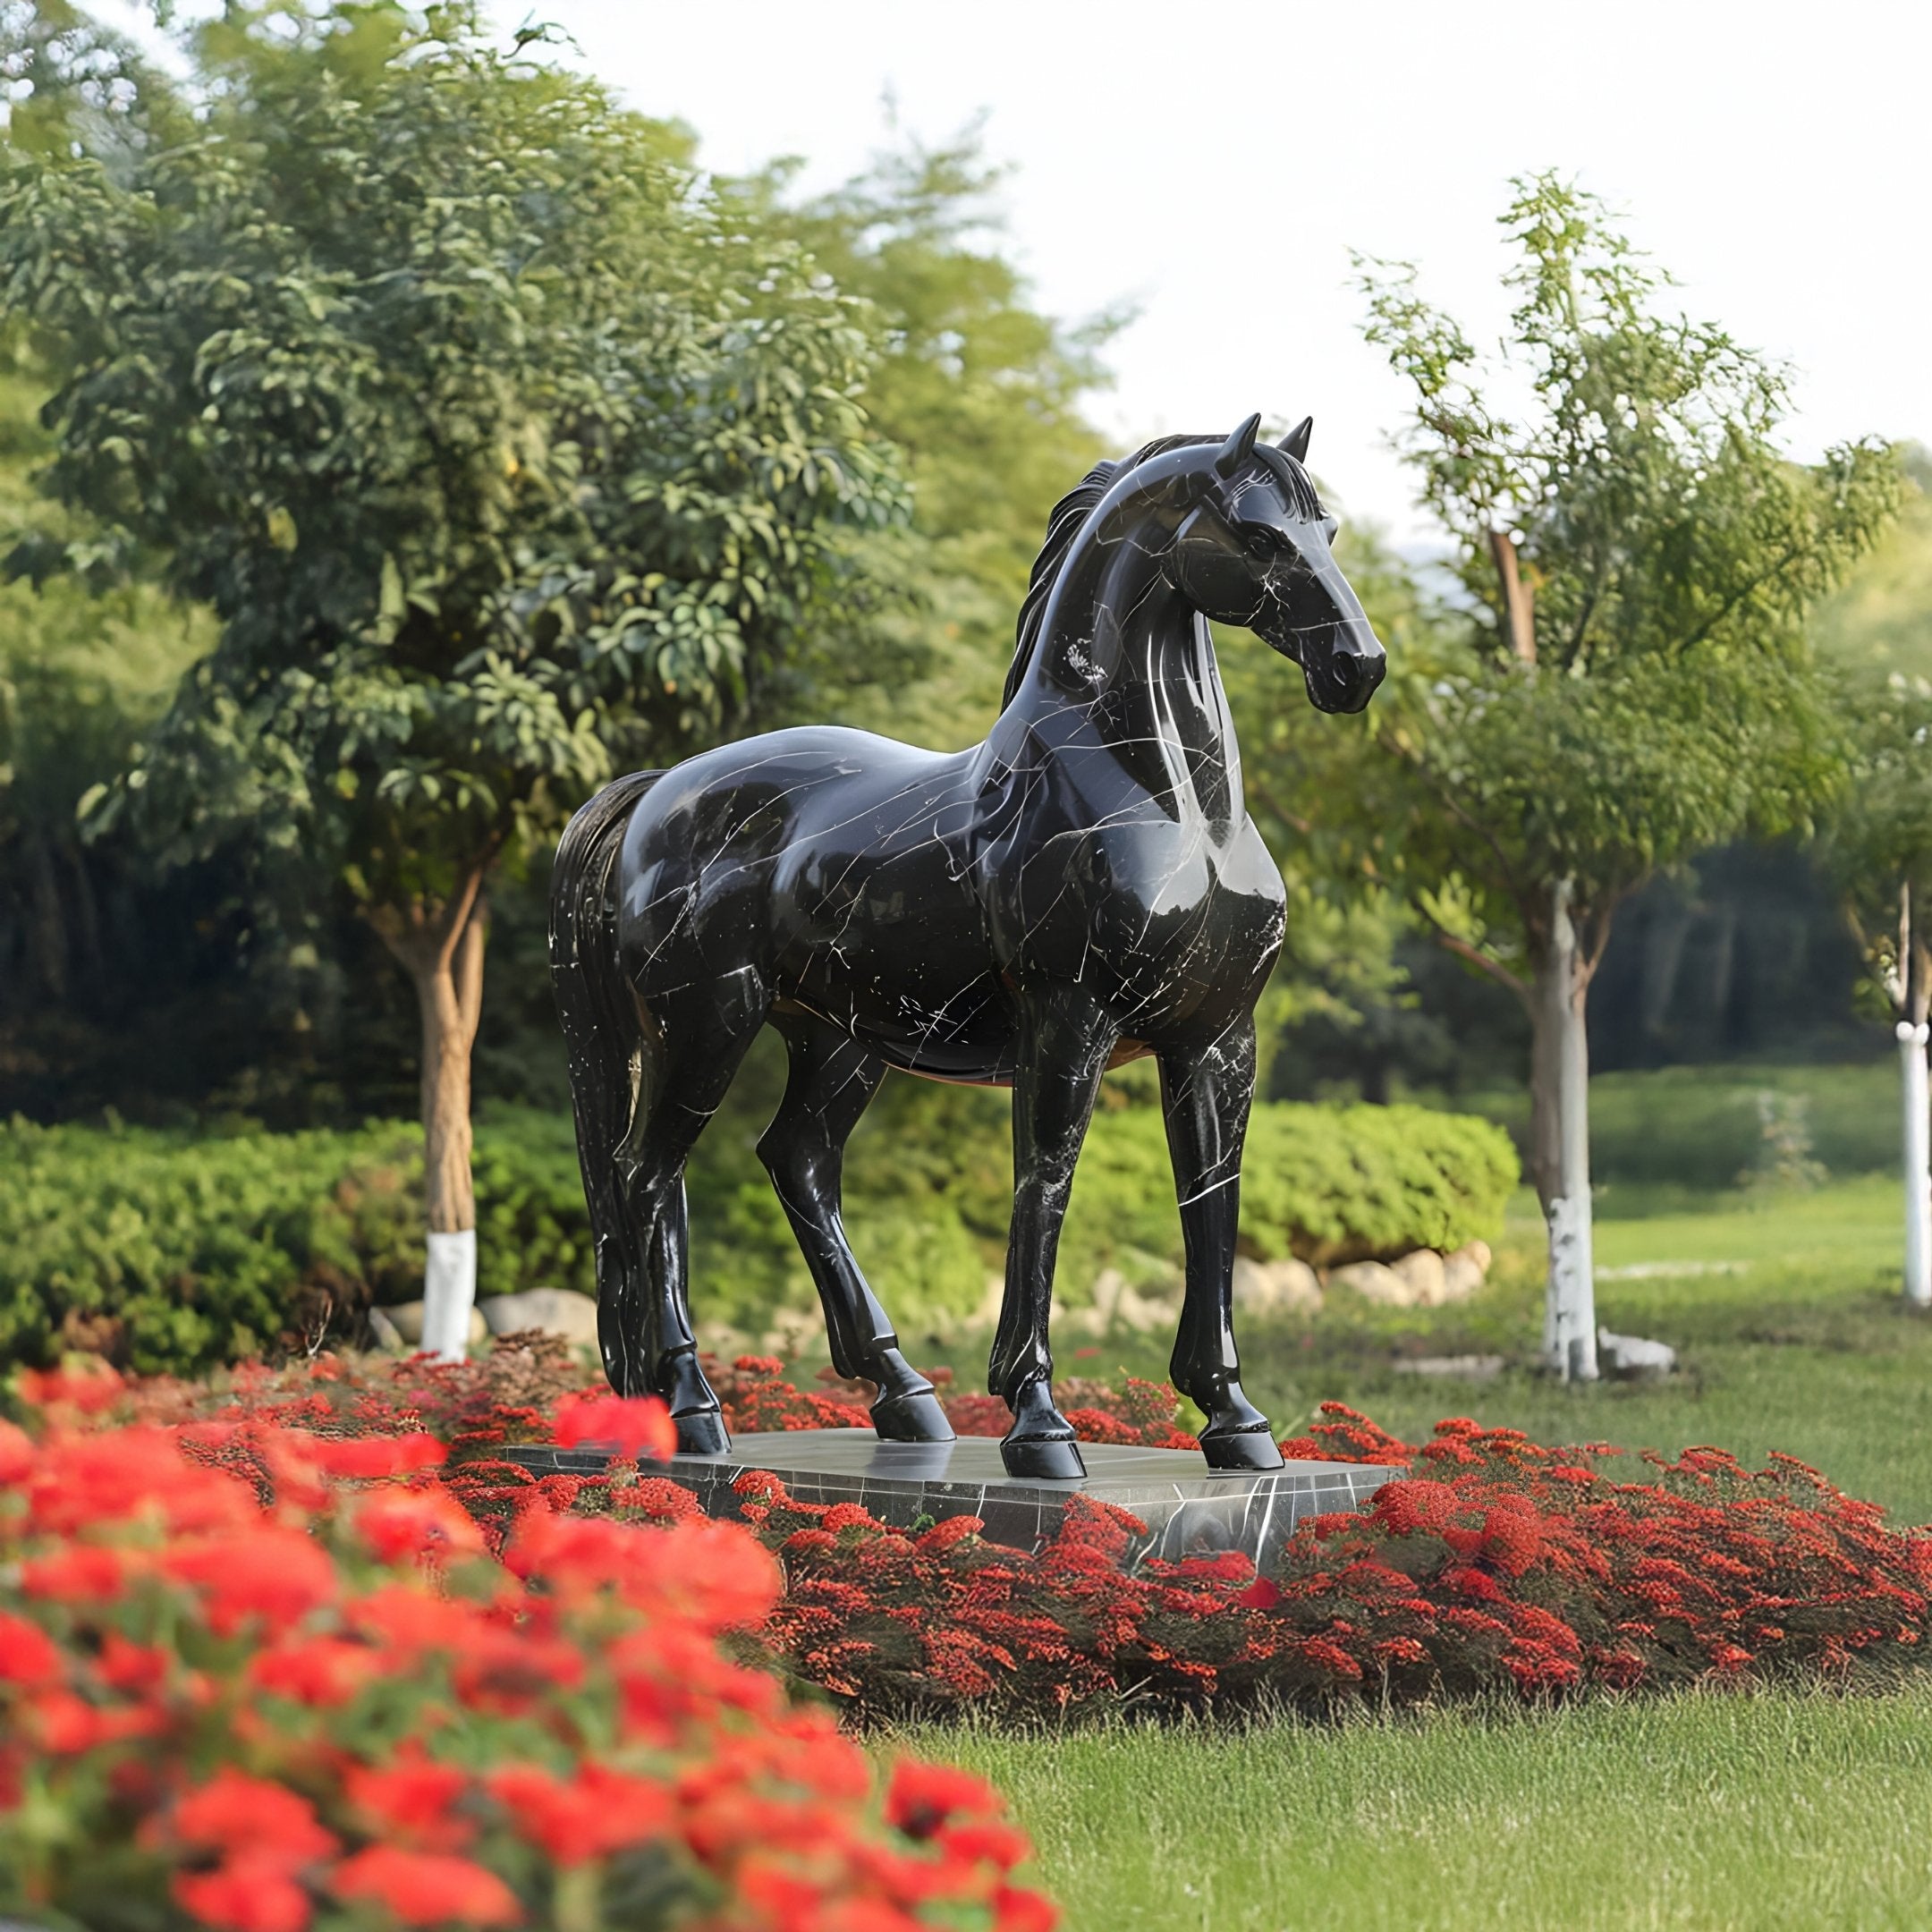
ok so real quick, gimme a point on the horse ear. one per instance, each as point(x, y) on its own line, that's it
point(1296, 441)
point(1238, 448)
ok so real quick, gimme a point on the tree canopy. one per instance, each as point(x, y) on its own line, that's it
point(1618, 678)
point(496, 449)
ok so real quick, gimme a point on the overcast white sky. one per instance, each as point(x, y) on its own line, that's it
point(1215, 161)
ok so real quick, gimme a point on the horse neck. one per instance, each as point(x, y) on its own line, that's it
point(1122, 647)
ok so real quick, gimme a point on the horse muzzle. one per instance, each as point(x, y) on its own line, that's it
point(1344, 668)
point(1342, 662)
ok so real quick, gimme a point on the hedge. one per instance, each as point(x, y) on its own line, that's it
point(172, 1252)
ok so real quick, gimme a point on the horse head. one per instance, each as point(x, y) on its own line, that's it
point(1258, 550)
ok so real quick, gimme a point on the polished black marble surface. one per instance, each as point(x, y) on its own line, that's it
point(1083, 887)
point(1187, 1510)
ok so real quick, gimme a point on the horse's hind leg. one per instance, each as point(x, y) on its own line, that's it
point(832, 1080)
point(694, 1042)
point(1207, 1088)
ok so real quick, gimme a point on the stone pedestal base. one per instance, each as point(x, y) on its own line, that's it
point(1187, 1511)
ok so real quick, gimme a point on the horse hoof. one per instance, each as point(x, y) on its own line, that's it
point(701, 1432)
point(914, 1417)
point(1248, 1450)
point(1043, 1458)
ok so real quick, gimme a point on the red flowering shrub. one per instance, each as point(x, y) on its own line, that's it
point(1489, 1563)
point(1138, 1413)
point(1499, 1564)
point(266, 1677)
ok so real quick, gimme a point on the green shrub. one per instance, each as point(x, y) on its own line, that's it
point(1702, 1126)
point(173, 1253)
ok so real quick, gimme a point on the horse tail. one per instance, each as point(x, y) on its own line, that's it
point(599, 1014)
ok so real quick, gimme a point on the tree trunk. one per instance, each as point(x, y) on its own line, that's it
point(1914, 992)
point(49, 928)
point(1559, 1136)
point(1912, 1040)
point(441, 948)
point(1516, 604)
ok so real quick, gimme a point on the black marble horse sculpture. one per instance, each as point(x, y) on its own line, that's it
point(1084, 887)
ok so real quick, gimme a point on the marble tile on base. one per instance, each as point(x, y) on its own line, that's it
point(1188, 1510)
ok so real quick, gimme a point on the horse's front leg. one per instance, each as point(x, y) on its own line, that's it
point(1066, 1041)
point(1207, 1088)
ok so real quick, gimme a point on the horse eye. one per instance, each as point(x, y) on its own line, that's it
point(1259, 541)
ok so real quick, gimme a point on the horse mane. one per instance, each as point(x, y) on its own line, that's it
point(1070, 514)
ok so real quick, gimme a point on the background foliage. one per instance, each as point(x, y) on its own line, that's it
point(177, 1251)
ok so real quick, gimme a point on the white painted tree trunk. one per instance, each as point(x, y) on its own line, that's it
point(1569, 1302)
point(1917, 1139)
point(449, 1294)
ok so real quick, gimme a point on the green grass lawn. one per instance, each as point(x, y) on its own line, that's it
point(1709, 1811)
point(1805, 1348)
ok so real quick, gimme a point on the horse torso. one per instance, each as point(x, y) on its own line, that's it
point(908, 895)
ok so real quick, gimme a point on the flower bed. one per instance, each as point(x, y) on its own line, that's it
point(1498, 1566)
point(262, 1675)
point(1507, 1568)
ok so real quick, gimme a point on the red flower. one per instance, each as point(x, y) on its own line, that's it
point(322, 1672)
point(83, 1573)
point(16, 1453)
point(411, 1801)
point(986, 1842)
point(597, 1813)
point(626, 1425)
point(135, 1669)
point(1259, 1594)
point(67, 1726)
point(949, 1533)
point(277, 1574)
point(1415, 1507)
point(1512, 1540)
point(85, 1383)
point(237, 1814)
point(1330, 1658)
point(423, 1888)
point(28, 1655)
point(399, 1524)
point(1476, 1583)
point(244, 1895)
point(1020, 1910)
point(922, 1796)
point(849, 1516)
point(411, 1621)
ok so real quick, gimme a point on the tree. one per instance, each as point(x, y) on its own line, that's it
point(501, 448)
point(1622, 680)
point(1878, 845)
point(979, 391)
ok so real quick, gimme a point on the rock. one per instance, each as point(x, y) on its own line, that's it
point(1465, 1270)
point(1632, 1359)
point(1425, 1277)
point(385, 1334)
point(558, 1311)
point(1107, 1290)
point(1275, 1287)
point(1456, 1368)
point(991, 1301)
point(721, 1339)
point(1373, 1281)
point(406, 1317)
point(1117, 1302)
